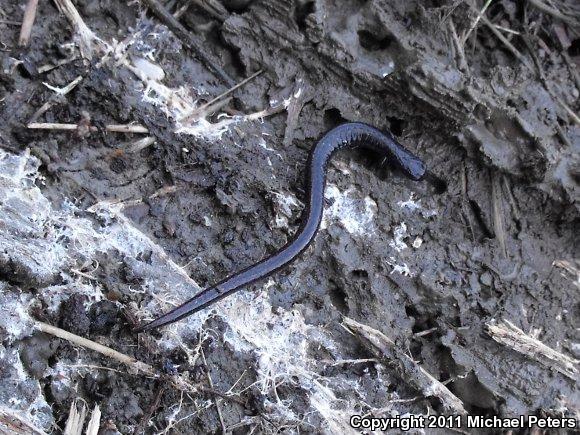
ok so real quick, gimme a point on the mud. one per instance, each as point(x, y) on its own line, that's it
point(101, 232)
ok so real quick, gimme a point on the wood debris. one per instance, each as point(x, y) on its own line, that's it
point(506, 333)
point(387, 351)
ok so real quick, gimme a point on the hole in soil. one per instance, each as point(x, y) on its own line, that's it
point(478, 213)
point(338, 298)
point(236, 62)
point(397, 126)
point(574, 49)
point(438, 184)
point(372, 42)
point(359, 274)
point(411, 311)
point(238, 6)
point(332, 118)
point(302, 11)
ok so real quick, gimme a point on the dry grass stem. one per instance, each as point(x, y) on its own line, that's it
point(497, 210)
point(57, 97)
point(506, 333)
point(198, 112)
point(477, 19)
point(27, 22)
point(87, 38)
point(461, 61)
point(76, 419)
point(538, 4)
point(126, 128)
point(183, 34)
point(387, 351)
point(94, 422)
point(11, 422)
point(215, 399)
point(505, 42)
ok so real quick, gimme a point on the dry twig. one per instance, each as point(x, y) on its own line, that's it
point(181, 32)
point(76, 419)
point(135, 366)
point(55, 98)
point(94, 422)
point(505, 42)
point(12, 422)
point(386, 350)
point(506, 333)
point(462, 61)
point(294, 108)
point(123, 128)
point(497, 209)
point(538, 4)
point(27, 22)
point(474, 24)
point(161, 387)
point(202, 110)
point(216, 400)
point(86, 36)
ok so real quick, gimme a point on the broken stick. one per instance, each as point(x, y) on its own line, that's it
point(181, 32)
point(386, 350)
point(506, 333)
point(123, 128)
point(27, 22)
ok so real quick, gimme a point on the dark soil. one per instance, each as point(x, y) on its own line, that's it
point(98, 234)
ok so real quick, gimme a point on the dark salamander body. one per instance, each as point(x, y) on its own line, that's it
point(349, 135)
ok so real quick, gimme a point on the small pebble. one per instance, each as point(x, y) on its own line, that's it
point(486, 279)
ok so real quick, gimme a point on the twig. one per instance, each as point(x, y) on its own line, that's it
point(474, 24)
point(384, 348)
point(204, 110)
point(126, 128)
point(425, 332)
point(462, 61)
point(339, 362)
point(508, 44)
point(140, 144)
point(195, 112)
point(182, 33)
point(134, 365)
point(86, 275)
point(12, 422)
point(27, 22)
point(213, 8)
point(94, 422)
point(85, 34)
point(104, 350)
point(554, 12)
point(161, 387)
point(294, 108)
point(508, 334)
point(11, 23)
point(183, 9)
point(216, 400)
point(55, 98)
point(50, 67)
point(76, 419)
point(505, 29)
point(497, 210)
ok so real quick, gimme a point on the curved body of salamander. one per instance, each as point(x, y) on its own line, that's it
point(349, 135)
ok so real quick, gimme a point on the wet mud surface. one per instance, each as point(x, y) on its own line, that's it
point(101, 231)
